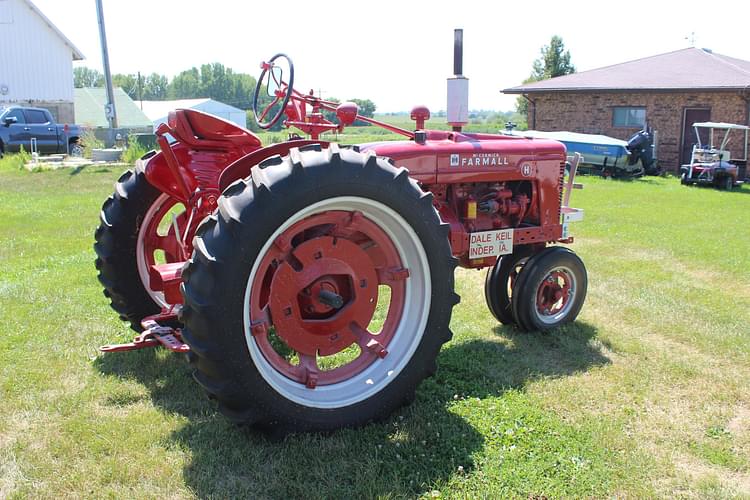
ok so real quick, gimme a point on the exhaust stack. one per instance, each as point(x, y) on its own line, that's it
point(458, 86)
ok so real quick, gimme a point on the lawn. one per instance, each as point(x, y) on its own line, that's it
point(647, 394)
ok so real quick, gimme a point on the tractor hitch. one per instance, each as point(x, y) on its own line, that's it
point(153, 335)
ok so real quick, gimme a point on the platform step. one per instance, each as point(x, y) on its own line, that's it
point(167, 278)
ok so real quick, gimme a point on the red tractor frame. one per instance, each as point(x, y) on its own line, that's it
point(310, 284)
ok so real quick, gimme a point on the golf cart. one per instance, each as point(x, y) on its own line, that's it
point(711, 162)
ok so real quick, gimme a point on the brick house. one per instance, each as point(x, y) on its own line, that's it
point(669, 91)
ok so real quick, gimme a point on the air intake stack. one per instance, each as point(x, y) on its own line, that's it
point(458, 86)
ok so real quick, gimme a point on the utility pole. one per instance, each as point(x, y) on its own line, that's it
point(109, 109)
point(140, 90)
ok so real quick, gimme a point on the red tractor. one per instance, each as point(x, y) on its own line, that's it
point(310, 284)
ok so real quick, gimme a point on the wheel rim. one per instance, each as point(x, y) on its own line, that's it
point(314, 288)
point(555, 295)
point(513, 276)
point(150, 240)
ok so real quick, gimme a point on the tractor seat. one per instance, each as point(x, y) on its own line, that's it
point(200, 130)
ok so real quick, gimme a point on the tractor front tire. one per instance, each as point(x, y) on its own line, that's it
point(285, 277)
point(116, 246)
point(550, 291)
point(499, 283)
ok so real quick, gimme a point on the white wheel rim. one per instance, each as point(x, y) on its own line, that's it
point(408, 334)
point(551, 319)
point(140, 253)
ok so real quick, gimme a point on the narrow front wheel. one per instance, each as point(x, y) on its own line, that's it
point(551, 290)
point(500, 282)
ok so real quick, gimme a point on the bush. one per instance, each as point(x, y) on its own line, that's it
point(15, 160)
point(89, 142)
point(133, 152)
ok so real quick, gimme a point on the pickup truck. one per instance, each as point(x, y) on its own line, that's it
point(18, 125)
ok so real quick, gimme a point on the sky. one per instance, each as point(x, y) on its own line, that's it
point(396, 53)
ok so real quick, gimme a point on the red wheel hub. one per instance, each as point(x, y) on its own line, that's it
point(316, 290)
point(553, 293)
point(319, 301)
point(308, 268)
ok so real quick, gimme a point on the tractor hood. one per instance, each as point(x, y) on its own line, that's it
point(449, 153)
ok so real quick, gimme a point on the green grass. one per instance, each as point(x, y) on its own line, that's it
point(647, 394)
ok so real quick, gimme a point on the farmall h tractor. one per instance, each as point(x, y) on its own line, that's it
point(310, 284)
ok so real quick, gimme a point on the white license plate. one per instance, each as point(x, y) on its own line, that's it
point(490, 243)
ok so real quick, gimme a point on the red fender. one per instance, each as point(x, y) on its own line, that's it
point(159, 174)
point(242, 167)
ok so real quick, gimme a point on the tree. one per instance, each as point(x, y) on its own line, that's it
point(215, 81)
point(554, 61)
point(331, 115)
point(366, 108)
point(87, 77)
point(128, 83)
point(243, 86)
point(186, 85)
point(155, 87)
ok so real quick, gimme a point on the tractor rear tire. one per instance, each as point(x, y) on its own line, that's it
point(267, 232)
point(550, 291)
point(116, 245)
point(500, 281)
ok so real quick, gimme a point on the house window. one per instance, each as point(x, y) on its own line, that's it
point(630, 117)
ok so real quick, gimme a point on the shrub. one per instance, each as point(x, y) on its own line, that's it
point(90, 142)
point(15, 160)
point(133, 152)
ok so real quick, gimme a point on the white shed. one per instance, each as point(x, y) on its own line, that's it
point(157, 111)
point(36, 60)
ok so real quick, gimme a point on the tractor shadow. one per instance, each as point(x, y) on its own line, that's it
point(423, 445)
point(482, 368)
point(92, 168)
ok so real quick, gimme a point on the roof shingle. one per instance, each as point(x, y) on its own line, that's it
point(89, 105)
point(686, 69)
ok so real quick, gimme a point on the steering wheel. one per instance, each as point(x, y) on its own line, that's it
point(273, 80)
